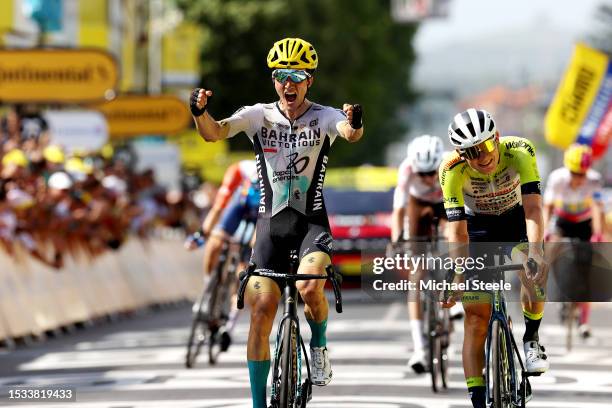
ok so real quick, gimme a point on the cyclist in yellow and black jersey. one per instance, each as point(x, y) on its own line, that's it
point(491, 190)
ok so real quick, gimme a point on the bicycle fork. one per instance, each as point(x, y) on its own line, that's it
point(290, 313)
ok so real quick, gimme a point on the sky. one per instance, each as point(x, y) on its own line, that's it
point(474, 18)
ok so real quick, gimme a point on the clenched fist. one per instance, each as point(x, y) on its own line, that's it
point(199, 100)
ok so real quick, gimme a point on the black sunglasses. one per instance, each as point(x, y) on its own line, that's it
point(426, 173)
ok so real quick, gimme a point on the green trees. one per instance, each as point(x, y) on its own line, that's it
point(364, 58)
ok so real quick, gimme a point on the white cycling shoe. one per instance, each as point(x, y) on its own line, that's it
point(536, 360)
point(417, 362)
point(320, 367)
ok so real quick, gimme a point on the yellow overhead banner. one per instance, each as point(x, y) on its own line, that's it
point(57, 75)
point(575, 96)
point(135, 115)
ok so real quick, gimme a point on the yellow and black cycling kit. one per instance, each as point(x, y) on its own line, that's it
point(468, 192)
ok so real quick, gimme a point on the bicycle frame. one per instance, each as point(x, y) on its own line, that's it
point(290, 310)
point(290, 313)
point(499, 313)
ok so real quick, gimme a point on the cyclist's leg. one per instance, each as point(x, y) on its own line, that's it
point(262, 296)
point(477, 314)
point(316, 307)
point(420, 218)
point(315, 256)
point(229, 222)
point(533, 301)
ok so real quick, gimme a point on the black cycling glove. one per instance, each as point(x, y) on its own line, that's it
point(357, 122)
point(193, 103)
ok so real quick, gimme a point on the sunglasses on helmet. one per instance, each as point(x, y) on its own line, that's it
point(294, 75)
point(474, 152)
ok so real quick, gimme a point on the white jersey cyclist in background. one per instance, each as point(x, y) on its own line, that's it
point(574, 208)
point(291, 138)
point(417, 209)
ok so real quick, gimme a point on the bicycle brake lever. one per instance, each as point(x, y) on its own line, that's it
point(244, 279)
point(336, 281)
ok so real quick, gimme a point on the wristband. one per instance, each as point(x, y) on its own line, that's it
point(357, 119)
point(193, 103)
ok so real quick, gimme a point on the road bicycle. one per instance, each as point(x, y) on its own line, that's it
point(436, 319)
point(212, 310)
point(573, 275)
point(506, 380)
point(288, 389)
point(438, 328)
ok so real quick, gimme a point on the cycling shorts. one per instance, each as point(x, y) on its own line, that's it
point(289, 230)
point(426, 222)
point(581, 230)
point(494, 236)
point(243, 205)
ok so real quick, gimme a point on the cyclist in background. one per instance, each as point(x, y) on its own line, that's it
point(417, 208)
point(573, 207)
point(237, 198)
point(491, 189)
point(291, 138)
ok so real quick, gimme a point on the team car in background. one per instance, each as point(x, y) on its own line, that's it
point(359, 221)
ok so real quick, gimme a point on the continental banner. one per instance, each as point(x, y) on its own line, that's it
point(136, 115)
point(57, 75)
point(582, 108)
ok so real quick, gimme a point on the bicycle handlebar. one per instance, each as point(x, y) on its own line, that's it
point(334, 277)
point(531, 265)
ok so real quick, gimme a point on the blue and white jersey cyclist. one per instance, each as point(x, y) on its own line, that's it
point(291, 139)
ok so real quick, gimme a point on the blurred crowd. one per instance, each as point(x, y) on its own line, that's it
point(56, 202)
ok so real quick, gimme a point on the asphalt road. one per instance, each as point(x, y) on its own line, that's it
point(138, 363)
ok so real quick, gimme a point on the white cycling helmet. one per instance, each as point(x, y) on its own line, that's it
point(425, 153)
point(471, 128)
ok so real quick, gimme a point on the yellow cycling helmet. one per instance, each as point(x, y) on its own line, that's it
point(578, 158)
point(292, 53)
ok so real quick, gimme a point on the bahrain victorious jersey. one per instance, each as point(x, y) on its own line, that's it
point(291, 156)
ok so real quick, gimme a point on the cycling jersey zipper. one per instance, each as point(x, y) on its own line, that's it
point(290, 192)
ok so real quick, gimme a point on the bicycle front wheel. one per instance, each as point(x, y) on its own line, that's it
point(197, 338)
point(434, 344)
point(444, 343)
point(288, 364)
point(500, 367)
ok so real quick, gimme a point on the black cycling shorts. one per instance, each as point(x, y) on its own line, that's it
point(581, 230)
point(286, 231)
point(503, 232)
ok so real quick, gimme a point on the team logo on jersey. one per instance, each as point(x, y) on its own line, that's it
point(299, 165)
point(318, 198)
point(314, 123)
point(521, 144)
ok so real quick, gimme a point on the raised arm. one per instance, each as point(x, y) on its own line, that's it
point(207, 126)
point(351, 129)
